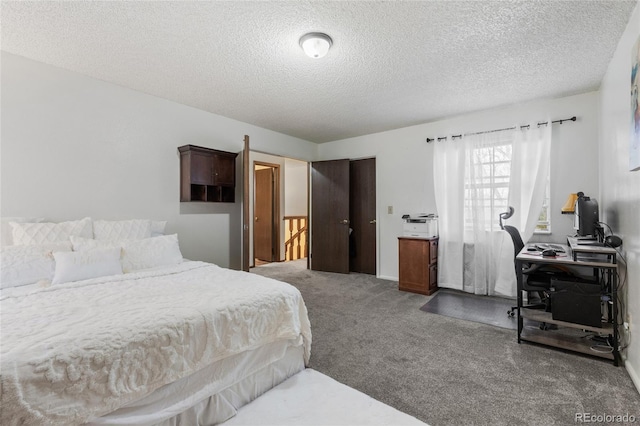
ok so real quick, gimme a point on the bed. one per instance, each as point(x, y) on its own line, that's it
point(165, 341)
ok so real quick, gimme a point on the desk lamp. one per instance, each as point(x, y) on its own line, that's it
point(570, 206)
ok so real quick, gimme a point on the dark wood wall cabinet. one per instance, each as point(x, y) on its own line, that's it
point(207, 174)
point(418, 265)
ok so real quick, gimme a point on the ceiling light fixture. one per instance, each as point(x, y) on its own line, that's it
point(315, 45)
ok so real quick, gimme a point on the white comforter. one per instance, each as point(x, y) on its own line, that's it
point(76, 351)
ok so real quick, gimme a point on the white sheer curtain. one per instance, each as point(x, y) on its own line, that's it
point(487, 170)
point(529, 173)
point(476, 178)
point(448, 175)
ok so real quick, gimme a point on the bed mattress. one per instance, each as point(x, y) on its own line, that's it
point(312, 398)
point(75, 352)
point(214, 394)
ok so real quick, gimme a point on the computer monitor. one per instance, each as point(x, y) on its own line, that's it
point(586, 217)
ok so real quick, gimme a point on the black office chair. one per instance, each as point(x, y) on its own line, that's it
point(536, 279)
point(530, 282)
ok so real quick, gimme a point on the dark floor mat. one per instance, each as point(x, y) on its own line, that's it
point(470, 307)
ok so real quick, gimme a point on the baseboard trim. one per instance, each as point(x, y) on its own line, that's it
point(633, 374)
point(385, 277)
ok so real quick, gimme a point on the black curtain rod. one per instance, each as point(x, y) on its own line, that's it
point(544, 123)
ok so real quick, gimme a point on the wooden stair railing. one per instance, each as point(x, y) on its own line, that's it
point(295, 245)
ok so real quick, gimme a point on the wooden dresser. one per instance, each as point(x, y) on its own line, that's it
point(418, 265)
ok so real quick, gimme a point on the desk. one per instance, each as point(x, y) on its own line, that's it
point(569, 336)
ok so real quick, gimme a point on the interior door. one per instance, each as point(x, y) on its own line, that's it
point(330, 216)
point(246, 173)
point(263, 221)
point(362, 184)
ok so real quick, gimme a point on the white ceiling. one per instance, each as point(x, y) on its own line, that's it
point(392, 64)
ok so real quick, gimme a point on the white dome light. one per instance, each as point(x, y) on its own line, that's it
point(316, 45)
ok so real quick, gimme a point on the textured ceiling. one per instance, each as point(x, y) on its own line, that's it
point(392, 64)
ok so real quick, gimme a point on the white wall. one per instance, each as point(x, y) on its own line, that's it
point(620, 188)
point(73, 146)
point(404, 162)
point(295, 195)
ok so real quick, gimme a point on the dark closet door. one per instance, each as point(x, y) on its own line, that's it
point(263, 223)
point(330, 216)
point(362, 183)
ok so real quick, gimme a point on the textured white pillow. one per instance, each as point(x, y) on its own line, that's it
point(77, 266)
point(22, 265)
point(84, 244)
point(47, 232)
point(157, 227)
point(6, 238)
point(118, 230)
point(150, 253)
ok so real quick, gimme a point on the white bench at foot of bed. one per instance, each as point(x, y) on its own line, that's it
point(311, 398)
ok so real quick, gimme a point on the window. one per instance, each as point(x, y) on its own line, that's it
point(486, 193)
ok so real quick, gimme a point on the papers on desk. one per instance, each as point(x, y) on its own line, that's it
point(533, 250)
point(555, 247)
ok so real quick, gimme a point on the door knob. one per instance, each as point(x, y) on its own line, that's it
point(372, 221)
point(345, 222)
point(256, 218)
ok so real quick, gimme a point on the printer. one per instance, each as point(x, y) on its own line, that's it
point(420, 225)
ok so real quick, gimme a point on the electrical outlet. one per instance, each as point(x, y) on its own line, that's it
point(389, 209)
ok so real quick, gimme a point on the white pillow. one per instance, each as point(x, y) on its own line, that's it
point(84, 244)
point(150, 253)
point(41, 233)
point(157, 227)
point(22, 265)
point(6, 238)
point(77, 266)
point(117, 230)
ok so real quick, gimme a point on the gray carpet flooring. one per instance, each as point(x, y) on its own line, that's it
point(443, 370)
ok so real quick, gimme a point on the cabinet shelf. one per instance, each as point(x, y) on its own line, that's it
point(542, 316)
point(211, 193)
point(566, 338)
point(207, 175)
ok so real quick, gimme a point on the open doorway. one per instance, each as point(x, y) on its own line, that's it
point(278, 205)
point(296, 202)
